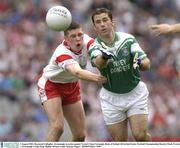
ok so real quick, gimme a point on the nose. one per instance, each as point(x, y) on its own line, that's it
point(102, 23)
point(78, 38)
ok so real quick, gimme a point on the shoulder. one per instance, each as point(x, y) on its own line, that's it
point(123, 35)
point(62, 49)
point(88, 41)
point(87, 36)
point(96, 43)
point(124, 38)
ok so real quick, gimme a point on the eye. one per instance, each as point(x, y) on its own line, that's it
point(73, 36)
point(105, 19)
point(98, 22)
point(80, 34)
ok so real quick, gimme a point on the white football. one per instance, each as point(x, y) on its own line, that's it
point(58, 18)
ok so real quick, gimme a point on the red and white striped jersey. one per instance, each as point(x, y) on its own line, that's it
point(56, 72)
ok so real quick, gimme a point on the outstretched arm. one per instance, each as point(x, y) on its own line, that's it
point(165, 29)
point(77, 71)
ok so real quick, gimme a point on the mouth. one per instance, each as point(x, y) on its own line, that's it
point(78, 44)
point(103, 30)
point(78, 48)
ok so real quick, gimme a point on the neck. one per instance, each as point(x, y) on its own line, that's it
point(108, 39)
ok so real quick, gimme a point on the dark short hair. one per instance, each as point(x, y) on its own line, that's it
point(72, 26)
point(101, 10)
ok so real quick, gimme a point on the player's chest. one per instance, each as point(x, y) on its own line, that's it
point(122, 56)
point(81, 59)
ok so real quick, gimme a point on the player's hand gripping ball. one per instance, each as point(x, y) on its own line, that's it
point(58, 18)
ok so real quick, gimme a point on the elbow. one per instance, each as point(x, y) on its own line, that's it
point(77, 73)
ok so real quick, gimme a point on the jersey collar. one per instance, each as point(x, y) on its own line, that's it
point(110, 45)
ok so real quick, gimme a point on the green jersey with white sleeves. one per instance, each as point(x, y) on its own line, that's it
point(121, 75)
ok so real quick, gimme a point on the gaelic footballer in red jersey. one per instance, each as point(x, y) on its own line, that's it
point(58, 85)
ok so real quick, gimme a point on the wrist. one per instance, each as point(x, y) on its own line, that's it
point(139, 61)
point(171, 29)
point(104, 57)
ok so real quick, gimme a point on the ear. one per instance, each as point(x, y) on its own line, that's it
point(66, 41)
point(94, 27)
point(114, 22)
point(65, 38)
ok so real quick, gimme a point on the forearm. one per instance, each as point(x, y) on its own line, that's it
point(86, 75)
point(175, 28)
point(80, 73)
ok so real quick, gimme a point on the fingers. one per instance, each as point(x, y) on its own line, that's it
point(161, 29)
point(157, 33)
point(136, 61)
point(135, 57)
point(107, 48)
point(106, 54)
point(103, 45)
point(159, 26)
point(102, 79)
point(156, 30)
point(154, 26)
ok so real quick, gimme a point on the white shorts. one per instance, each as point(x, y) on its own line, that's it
point(118, 107)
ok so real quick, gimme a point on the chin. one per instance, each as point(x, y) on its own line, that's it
point(104, 33)
point(79, 48)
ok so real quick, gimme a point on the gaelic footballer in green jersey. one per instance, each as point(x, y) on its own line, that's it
point(124, 98)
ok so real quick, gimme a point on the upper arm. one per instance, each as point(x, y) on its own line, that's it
point(88, 41)
point(64, 59)
point(135, 48)
point(145, 62)
point(95, 55)
point(94, 51)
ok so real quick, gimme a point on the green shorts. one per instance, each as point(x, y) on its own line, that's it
point(118, 107)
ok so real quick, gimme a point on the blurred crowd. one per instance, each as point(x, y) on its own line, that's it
point(26, 45)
